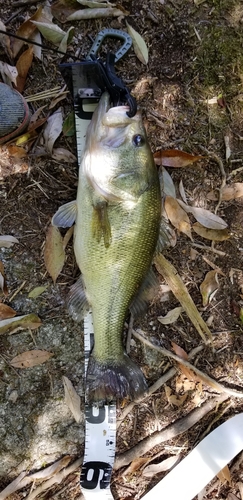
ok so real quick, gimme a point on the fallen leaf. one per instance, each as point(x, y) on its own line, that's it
point(95, 14)
point(5, 41)
point(53, 129)
point(52, 469)
point(37, 49)
point(209, 286)
point(177, 216)
point(69, 125)
point(224, 475)
point(54, 34)
point(72, 399)
point(168, 271)
point(3, 285)
point(9, 73)
point(182, 192)
point(240, 486)
point(167, 184)
point(28, 359)
point(179, 351)
point(12, 487)
point(66, 40)
point(13, 325)
point(171, 316)
point(67, 236)
point(26, 30)
point(6, 311)
point(92, 4)
point(136, 464)
point(23, 65)
point(174, 158)
point(173, 399)
point(54, 254)
point(167, 464)
point(7, 241)
point(211, 234)
point(139, 45)
point(37, 291)
point(205, 217)
point(16, 151)
point(26, 137)
point(228, 192)
point(61, 154)
point(64, 8)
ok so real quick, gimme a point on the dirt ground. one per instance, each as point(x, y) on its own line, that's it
point(195, 55)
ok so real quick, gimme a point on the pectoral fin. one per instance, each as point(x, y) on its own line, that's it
point(100, 223)
point(65, 215)
point(77, 302)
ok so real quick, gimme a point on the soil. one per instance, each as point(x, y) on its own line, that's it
point(195, 55)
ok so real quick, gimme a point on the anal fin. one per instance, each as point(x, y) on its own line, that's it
point(77, 302)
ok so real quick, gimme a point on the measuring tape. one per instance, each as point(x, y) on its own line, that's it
point(100, 422)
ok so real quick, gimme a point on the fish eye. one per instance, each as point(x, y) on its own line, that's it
point(138, 140)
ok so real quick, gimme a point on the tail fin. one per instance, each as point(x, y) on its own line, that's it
point(108, 382)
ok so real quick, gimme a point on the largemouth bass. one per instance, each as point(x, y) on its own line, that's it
point(117, 220)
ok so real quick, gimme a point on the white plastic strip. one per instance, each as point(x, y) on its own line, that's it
point(195, 471)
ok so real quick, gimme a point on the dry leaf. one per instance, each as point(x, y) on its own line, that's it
point(52, 469)
point(179, 351)
point(174, 158)
point(53, 129)
point(38, 290)
point(167, 464)
point(68, 236)
point(171, 316)
point(6, 311)
point(9, 73)
point(172, 399)
point(50, 31)
point(139, 45)
point(92, 4)
point(182, 191)
point(23, 65)
point(61, 154)
point(224, 475)
point(16, 151)
point(177, 216)
point(5, 41)
point(211, 234)
point(30, 358)
point(13, 325)
point(240, 486)
point(228, 192)
point(205, 217)
point(61, 9)
point(168, 271)
point(209, 286)
point(54, 254)
point(12, 487)
point(26, 30)
point(3, 284)
point(7, 241)
point(95, 14)
point(136, 464)
point(72, 399)
point(167, 184)
point(37, 49)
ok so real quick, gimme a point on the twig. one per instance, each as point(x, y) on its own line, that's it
point(211, 249)
point(20, 3)
point(168, 433)
point(205, 378)
point(157, 385)
point(55, 479)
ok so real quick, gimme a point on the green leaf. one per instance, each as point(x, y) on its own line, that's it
point(69, 125)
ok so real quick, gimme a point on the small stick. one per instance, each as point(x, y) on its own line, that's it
point(170, 432)
point(211, 249)
point(205, 378)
